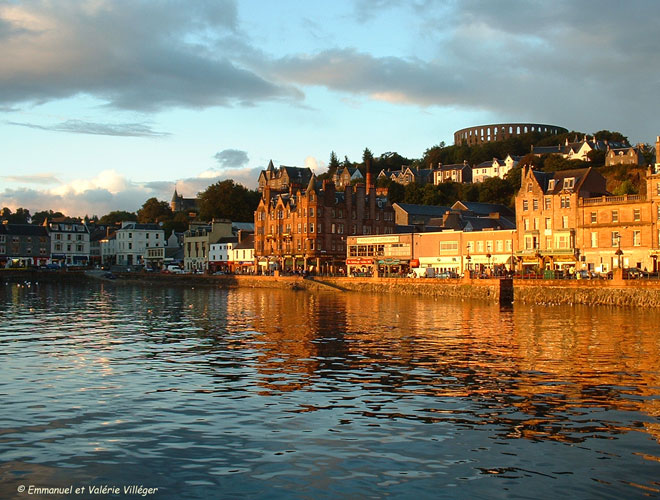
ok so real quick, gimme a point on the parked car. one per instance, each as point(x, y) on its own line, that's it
point(447, 275)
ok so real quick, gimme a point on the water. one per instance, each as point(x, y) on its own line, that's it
point(206, 393)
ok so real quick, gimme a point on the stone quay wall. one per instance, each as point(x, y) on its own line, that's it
point(627, 293)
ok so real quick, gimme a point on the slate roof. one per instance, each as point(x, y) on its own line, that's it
point(483, 208)
point(23, 230)
point(413, 209)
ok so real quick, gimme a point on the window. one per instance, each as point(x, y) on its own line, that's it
point(616, 238)
point(564, 222)
point(509, 245)
point(499, 245)
point(529, 187)
point(594, 217)
point(311, 212)
point(615, 216)
point(551, 184)
point(311, 227)
point(637, 216)
point(637, 238)
point(548, 223)
point(525, 204)
point(526, 224)
point(548, 203)
point(480, 246)
point(535, 204)
point(569, 182)
point(536, 223)
point(594, 240)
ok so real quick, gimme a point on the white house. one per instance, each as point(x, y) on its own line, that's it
point(220, 254)
point(69, 240)
point(133, 239)
point(495, 168)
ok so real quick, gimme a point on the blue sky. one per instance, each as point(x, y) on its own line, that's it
point(105, 103)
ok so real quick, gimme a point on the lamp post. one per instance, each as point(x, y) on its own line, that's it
point(468, 258)
point(619, 252)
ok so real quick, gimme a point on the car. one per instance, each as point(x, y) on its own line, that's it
point(447, 275)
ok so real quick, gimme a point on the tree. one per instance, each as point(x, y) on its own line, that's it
point(154, 211)
point(228, 200)
point(333, 166)
point(606, 135)
point(597, 157)
point(117, 216)
point(626, 187)
point(21, 216)
point(39, 217)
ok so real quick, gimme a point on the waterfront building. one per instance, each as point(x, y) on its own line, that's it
point(221, 255)
point(23, 245)
point(108, 247)
point(487, 250)
point(568, 221)
point(69, 240)
point(133, 240)
point(242, 255)
point(197, 242)
point(304, 227)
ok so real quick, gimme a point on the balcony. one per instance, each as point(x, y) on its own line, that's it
point(601, 200)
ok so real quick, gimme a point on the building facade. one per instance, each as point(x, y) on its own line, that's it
point(461, 173)
point(305, 228)
point(69, 241)
point(197, 243)
point(133, 240)
point(23, 245)
point(567, 221)
point(494, 168)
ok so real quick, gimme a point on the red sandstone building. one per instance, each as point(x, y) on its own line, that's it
point(567, 220)
point(305, 226)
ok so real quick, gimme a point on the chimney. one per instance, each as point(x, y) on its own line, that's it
point(367, 166)
point(328, 192)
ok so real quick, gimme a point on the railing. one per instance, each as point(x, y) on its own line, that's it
point(626, 198)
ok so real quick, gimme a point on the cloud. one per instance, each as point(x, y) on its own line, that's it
point(137, 55)
point(518, 62)
point(83, 127)
point(99, 195)
point(315, 166)
point(232, 158)
point(32, 179)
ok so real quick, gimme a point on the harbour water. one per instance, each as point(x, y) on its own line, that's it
point(207, 393)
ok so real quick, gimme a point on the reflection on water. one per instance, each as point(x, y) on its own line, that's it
point(209, 393)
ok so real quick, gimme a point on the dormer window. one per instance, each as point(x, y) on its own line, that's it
point(529, 187)
point(569, 182)
point(551, 184)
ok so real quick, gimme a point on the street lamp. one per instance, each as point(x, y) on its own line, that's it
point(619, 252)
point(468, 258)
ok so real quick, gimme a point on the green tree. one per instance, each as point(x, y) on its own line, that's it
point(228, 200)
point(596, 157)
point(154, 211)
point(21, 216)
point(626, 187)
point(496, 190)
point(606, 135)
point(39, 217)
point(117, 216)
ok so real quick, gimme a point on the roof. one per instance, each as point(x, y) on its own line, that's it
point(483, 209)
point(227, 239)
point(248, 242)
point(134, 226)
point(455, 166)
point(23, 230)
point(422, 209)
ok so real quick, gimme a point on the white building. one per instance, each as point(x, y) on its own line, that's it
point(109, 249)
point(495, 168)
point(69, 241)
point(133, 239)
point(221, 254)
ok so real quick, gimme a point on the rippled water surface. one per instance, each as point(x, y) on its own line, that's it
point(206, 393)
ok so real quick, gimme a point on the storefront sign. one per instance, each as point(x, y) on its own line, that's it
point(359, 262)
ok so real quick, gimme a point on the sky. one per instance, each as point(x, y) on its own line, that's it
point(106, 103)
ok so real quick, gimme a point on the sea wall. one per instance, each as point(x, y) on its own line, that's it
point(630, 293)
point(615, 292)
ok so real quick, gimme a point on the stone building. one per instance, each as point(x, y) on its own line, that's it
point(181, 204)
point(460, 172)
point(197, 243)
point(283, 178)
point(497, 132)
point(305, 226)
point(624, 156)
point(133, 241)
point(567, 220)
